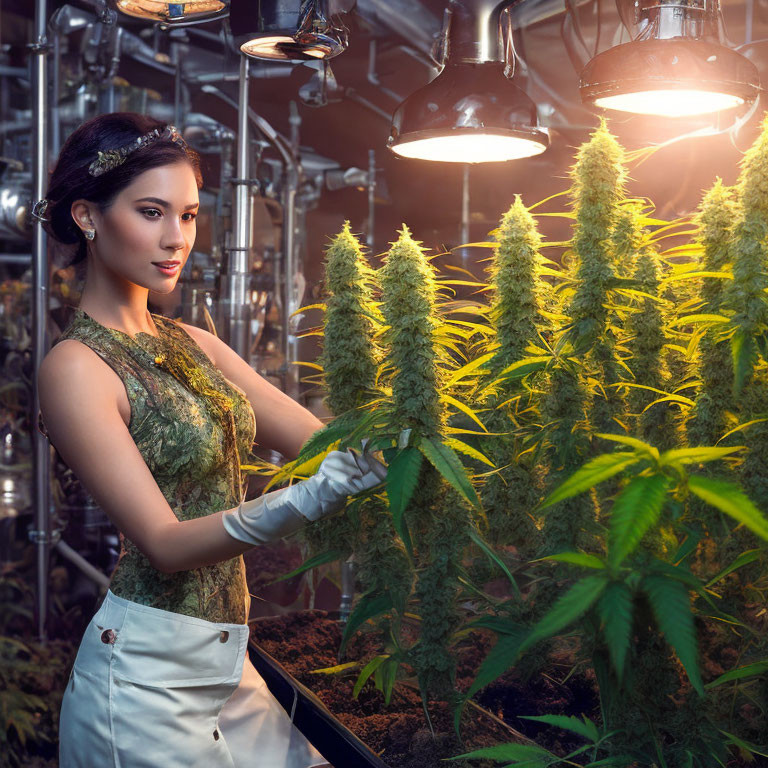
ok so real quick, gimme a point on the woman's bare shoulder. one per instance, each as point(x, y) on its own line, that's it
point(71, 366)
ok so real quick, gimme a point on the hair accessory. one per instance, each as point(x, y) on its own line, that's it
point(39, 209)
point(111, 158)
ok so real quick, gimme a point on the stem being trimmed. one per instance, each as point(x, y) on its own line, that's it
point(437, 519)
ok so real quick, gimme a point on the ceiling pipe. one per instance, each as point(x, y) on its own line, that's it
point(475, 31)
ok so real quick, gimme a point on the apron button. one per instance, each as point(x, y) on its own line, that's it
point(216, 734)
point(224, 636)
point(108, 636)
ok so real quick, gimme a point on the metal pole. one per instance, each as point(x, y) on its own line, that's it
point(292, 173)
point(238, 268)
point(289, 272)
point(41, 451)
point(464, 235)
point(371, 197)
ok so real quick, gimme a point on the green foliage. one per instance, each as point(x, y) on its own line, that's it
point(33, 676)
point(409, 296)
point(628, 559)
point(519, 298)
point(350, 354)
point(646, 343)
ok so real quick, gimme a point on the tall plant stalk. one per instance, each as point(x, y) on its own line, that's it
point(518, 298)
point(437, 520)
point(350, 359)
point(715, 218)
point(573, 411)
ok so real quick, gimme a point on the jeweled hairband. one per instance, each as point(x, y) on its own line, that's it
point(112, 158)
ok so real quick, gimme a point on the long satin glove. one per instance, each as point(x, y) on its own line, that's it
point(279, 513)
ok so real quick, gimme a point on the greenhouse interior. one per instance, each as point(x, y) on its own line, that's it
point(442, 436)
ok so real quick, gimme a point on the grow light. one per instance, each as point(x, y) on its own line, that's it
point(162, 10)
point(670, 103)
point(675, 67)
point(471, 112)
point(286, 30)
point(474, 147)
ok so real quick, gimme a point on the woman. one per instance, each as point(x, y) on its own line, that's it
point(154, 417)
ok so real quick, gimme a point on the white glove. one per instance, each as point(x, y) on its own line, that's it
point(279, 513)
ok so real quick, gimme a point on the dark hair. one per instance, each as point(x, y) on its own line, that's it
point(70, 179)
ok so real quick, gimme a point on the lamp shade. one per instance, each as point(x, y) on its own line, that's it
point(669, 77)
point(286, 30)
point(162, 10)
point(470, 113)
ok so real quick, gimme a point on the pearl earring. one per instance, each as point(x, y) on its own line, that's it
point(90, 233)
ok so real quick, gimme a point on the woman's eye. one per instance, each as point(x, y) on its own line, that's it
point(147, 211)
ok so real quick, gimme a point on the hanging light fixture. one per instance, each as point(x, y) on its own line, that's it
point(286, 30)
point(471, 112)
point(168, 12)
point(675, 65)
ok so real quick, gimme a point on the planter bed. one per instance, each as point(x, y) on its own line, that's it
point(399, 733)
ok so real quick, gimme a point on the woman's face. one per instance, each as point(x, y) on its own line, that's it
point(152, 220)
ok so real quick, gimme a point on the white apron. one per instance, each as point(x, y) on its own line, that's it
point(153, 688)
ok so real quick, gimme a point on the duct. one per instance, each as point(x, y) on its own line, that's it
point(474, 35)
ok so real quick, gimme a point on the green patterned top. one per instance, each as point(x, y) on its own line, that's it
point(182, 443)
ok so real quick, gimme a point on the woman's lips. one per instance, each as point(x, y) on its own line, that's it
point(167, 267)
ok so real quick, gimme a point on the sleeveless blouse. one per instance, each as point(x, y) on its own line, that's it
point(182, 443)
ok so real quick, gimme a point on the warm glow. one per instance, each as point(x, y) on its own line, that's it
point(670, 103)
point(162, 10)
point(470, 148)
point(272, 47)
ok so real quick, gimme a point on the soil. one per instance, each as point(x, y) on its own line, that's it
point(398, 733)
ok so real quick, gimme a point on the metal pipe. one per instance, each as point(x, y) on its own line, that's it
point(292, 175)
point(238, 272)
point(369, 240)
point(289, 260)
point(93, 573)
point(474, 35)
point(55, 89)
point(176, 59)
point(41, 535)
point(373, 77)
point(465, 205)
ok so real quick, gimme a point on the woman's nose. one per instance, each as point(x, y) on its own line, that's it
point(173, 236)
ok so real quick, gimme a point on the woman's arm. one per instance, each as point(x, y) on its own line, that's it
point(281, 423)
point(79, 403)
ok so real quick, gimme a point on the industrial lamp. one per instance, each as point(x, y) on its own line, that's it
point(471, 112)
point(286, 30)
point(674, 66)
point(169, 12)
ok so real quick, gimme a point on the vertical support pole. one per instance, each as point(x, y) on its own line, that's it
point(369, 241)
point(465, 213)
point(41, 536)
point(238, 271)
